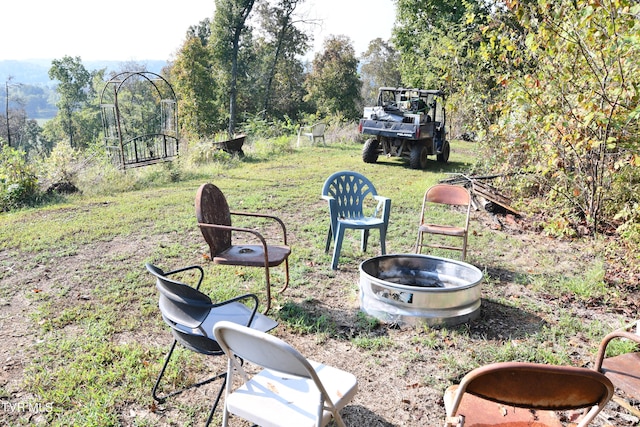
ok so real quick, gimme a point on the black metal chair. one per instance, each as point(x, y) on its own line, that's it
point(192, 315)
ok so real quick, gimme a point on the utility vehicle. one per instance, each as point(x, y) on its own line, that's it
point(407, 123)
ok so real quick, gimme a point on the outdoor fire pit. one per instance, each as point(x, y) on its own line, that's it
point(418, 289)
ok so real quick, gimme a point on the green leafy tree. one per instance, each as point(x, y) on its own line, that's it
point(421, 28)
point(74, 86)
point(200, 103)
point(379, 68)
point(229, 32)
point(333, 85)
point(571, 103)
point(282, 42)
point(438, 41)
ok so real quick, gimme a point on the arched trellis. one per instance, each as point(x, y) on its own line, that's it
point(139, 119)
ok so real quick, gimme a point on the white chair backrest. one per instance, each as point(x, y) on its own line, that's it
point(263, 350)
point(318, 129)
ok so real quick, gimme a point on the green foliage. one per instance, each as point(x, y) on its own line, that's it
point(588, 285)
point(274, 146)
point(617, 347)
point(304, 321)
point(366, 323)
point(201, 105)
point(18, 182)
point(230, 40)
point(73, 89)
point(204, 152)
point(258, 126)
point(61, 165)
point(278, 70)
point(438, 43)
point(373, 343)
point(333, 86)
point(380, 67)
point(570, 107)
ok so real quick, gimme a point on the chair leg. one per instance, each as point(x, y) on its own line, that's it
point(286, 272)
point(365, 240)
point(383, 240)
point(162, 399)
point(157, 398)
point(337, 247)
point(328, 245)
point(464, 248)
point(419, 243)
point(268, 279)
point(215, 404)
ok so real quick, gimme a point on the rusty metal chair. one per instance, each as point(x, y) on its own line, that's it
point(624, 369)
point(515, 394)
point(192, 316)
point(214, 220)
point(347, 194)
point(444, 194)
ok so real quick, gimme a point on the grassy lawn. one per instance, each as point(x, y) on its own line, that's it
point(84, 341)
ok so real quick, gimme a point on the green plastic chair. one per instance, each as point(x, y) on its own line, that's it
point(347, 193)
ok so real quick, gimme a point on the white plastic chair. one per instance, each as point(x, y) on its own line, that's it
point(313, 132)
point(290, 391)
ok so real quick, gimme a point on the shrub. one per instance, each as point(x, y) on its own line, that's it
point(61, 167)
point(18, 181)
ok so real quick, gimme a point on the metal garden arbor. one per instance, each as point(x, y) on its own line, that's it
point(139, 119)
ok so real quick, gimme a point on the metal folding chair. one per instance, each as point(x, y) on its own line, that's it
point(290, 391)
point(444, 194)
point(525, 394)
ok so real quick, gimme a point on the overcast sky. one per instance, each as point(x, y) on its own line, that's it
point(138, 30)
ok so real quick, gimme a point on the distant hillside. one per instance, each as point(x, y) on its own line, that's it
point(35, 92)
point(36, 71)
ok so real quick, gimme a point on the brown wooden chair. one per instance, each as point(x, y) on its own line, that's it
point(214, 220)
point(516, 394)
point(624, 369)
point(444, 194)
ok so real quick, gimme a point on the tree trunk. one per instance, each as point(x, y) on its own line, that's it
point(233, 90)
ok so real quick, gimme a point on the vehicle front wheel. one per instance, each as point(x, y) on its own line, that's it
point(370, 150)
point(418, 156)
point(443, 156)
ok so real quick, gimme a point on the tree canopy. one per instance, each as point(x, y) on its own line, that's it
point(73, 88)
point(333, 86)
